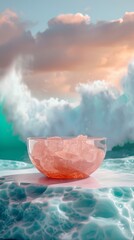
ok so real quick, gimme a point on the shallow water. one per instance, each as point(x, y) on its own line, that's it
point(40, 212)
point(99, 208)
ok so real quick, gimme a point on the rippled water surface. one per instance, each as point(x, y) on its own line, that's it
point(41, 212)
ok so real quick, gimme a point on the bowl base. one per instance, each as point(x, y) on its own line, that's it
point(75, 175)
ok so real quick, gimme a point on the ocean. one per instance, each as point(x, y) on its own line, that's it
point(30, 209)
point(36, 211)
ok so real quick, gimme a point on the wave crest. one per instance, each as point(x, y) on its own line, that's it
point(102, 110)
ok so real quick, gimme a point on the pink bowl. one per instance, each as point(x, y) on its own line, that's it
point(68, 158)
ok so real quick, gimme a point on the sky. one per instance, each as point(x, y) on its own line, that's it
point(60, 44)
point(40, 11)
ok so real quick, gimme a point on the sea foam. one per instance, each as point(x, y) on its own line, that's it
point(40, 212)
point(101, 111)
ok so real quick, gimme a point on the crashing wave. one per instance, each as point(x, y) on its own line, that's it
point(102, 110)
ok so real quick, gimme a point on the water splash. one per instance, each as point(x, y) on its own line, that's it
point(102, 110)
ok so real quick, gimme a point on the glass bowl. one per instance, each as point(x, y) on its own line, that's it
point(67, 158)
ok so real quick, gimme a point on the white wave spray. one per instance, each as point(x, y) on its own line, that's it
point(102, 110)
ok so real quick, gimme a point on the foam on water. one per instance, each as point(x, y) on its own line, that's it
point(125, 165)
point(39, 212)
point(13, 165)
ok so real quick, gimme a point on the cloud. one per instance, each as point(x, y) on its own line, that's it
point(101, 111)
point(9, 27)
point(70, 45)
point(15, 40)
point(67, 19)
point(128, 17)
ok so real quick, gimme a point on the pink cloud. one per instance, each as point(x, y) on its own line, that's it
point(10, 26)
point(8, 17)
point(68, 19)
point(71, 44)
point(15, 40)
point(128, 17)
point(84, 46)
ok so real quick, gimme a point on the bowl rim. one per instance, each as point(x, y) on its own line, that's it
point(66, 138)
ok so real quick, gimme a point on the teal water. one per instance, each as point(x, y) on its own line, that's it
point(45, 213)
point(11, 146)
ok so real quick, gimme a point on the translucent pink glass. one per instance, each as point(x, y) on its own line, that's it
point(68, 158)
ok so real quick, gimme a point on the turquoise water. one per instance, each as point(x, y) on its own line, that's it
point(11, 146)
point(41, 213)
